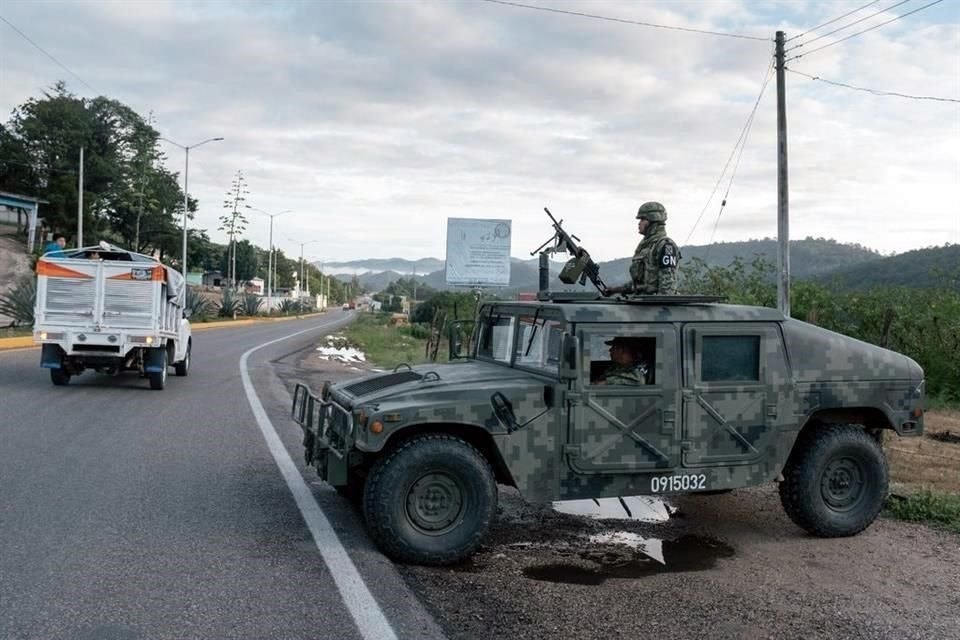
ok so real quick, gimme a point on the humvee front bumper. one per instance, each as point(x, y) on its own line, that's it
point(327, 433)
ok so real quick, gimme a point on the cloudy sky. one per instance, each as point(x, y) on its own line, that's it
point(376, 121)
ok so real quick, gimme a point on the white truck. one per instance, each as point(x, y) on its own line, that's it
point(111, 310)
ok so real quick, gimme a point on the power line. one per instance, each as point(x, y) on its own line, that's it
point(865, 30)
point(736, 165)
point(625, 21)
point(847, 26)
point(875, 92)
point(746, 127)
point(849, 13)
point(44, 52)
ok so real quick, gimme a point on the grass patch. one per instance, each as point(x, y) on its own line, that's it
point(16, 332)
point(928, 507)
point(386, 345)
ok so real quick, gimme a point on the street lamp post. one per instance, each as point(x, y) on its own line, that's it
point(270, 255)
point(186, 179)
point(300, 293)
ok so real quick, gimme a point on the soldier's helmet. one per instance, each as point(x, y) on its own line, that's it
point(652, 211)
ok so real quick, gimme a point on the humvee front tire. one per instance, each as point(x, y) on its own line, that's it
point(430, 501)
point(835, 481)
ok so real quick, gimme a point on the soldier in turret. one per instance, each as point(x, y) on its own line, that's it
point(653, 270)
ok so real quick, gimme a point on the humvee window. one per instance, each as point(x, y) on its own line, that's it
point(538, 343)
point(633, 365)
point(730, 358)
point(496, 337)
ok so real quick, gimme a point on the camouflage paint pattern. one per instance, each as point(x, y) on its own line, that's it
point(604, 440)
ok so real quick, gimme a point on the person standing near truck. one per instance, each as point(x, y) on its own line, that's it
point(55, 248)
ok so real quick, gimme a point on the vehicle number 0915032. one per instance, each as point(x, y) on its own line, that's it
point(660, 484)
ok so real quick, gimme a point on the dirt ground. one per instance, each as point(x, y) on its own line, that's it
point(735, 567)
point(932, 461)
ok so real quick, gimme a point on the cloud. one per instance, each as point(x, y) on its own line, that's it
point(375, 122)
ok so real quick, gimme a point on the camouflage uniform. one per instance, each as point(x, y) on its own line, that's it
point(635, 375)
point(654, 266)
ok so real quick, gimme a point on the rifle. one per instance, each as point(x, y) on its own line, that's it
point(581, 266)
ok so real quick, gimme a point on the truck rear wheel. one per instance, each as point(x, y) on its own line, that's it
point(158, 379)
point(182, 368)
point(59, 377)
point(430, 501)
point(835, 481)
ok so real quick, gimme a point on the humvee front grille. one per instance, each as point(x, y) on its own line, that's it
point(378, 384)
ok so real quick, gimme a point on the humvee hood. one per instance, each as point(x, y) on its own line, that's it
point(817, 354)
point(434, 379)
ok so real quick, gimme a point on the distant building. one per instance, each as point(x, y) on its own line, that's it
point(213, 279)
point(255, 286)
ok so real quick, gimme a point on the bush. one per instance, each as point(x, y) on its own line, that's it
point(199, 306)
point(229, 304)
point(251, 304)
point(19, 302)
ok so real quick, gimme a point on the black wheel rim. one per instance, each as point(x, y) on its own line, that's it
point(842, 484)
point(434, 503)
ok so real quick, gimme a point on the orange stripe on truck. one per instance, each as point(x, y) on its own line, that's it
point(45, 268)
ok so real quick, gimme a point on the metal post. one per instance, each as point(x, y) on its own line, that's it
point(300, 283)
point(270, 270)
point(544, 272)
point(783, 194)
point(80, 204)
point(186, 203)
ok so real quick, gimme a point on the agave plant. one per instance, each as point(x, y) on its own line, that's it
point(251, 304)
point(199, 306)
point(229, 304)
point(288, 306)
point(18, 302)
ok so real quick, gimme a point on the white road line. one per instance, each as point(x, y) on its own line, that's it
point(367, 615)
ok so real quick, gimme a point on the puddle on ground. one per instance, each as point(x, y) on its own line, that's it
point(641, 508)
point(687, 553)
point(945, 436)
point(337, 348)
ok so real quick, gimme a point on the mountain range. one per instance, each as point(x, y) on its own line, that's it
point(842, 265)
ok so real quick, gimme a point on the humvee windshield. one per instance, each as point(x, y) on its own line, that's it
point(523, 339)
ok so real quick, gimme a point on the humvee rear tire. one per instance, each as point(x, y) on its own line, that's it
point(59, 377)
point(430, 501)
point(835, 481)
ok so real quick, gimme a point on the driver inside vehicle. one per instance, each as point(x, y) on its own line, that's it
point(629, 365)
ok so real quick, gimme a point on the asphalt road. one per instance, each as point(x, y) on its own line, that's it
point(129, 513)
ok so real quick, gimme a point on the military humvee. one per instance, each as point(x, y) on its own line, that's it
point(734, 396)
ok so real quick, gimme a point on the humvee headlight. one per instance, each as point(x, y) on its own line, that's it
point(361, 416)
point(376, 427)
point(43, 335)
point(149, 340)
point(917, 412)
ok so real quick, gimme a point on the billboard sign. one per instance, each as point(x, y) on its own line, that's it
point(478, 252)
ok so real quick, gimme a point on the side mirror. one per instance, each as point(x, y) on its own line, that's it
point(187, 313)
point(569, 357)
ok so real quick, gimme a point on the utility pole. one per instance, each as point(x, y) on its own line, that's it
point(783, 193)
point(80, 204)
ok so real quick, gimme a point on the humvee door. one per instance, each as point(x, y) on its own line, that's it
point(736, 392)
point(625, 423)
